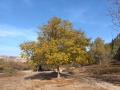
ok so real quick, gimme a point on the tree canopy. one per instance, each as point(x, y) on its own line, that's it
point(97, 50)
point(58, 43)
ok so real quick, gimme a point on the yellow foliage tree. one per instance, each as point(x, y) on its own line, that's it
point(58, 43)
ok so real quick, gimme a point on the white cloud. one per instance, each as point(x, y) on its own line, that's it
point(11, 31)
point(82, 16)
point(9, 50)
point(12, 36)
point(75, 14)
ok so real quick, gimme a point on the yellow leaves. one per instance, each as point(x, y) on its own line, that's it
point(57, 58)
point(33, 63)
point(24, 55)
point(28, 48)
point(58, 43)
point(82, 59)
point(56, 28)
point(54, 21)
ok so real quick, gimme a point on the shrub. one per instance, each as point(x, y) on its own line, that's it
point(11, 66)
point(8, 70)
point(105, 70)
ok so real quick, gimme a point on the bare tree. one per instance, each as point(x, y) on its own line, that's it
point(114, 13)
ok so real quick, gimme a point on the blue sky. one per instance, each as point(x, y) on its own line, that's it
point(19, 20)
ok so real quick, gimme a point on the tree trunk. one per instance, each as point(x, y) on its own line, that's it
point(37, 68)
point(58, 72)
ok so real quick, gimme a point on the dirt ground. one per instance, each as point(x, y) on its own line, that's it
point(46, 80)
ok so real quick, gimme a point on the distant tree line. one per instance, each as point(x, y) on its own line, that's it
point(101, 51)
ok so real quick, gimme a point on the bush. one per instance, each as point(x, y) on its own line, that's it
point(105, 70)
point(109, 71)
point(11, 66)
point(1, 65)
point(8, 70)
point(17, 65)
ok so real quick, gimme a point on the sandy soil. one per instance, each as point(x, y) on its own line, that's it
point(29, 80)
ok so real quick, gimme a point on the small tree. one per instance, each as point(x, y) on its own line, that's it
point(117, 55)
point(97, 50)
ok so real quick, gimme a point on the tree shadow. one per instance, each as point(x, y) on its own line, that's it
point(110, 79)
point(45, 75)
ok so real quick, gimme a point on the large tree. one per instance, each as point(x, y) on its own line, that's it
point(58, 44)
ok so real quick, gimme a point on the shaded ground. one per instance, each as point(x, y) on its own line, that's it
point(110, 73)
point(29, 80)
point(113, 78)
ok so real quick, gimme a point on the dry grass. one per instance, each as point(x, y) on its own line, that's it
point(19, 83)
point(12, 67)
point(4, 75)
point(110, 73)
point(80, 83)
point(113, 67)
point(58, 81)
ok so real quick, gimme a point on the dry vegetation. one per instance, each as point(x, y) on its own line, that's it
point(19, 82)
point(95, 77)
point(12, 67)
point(108, 73)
